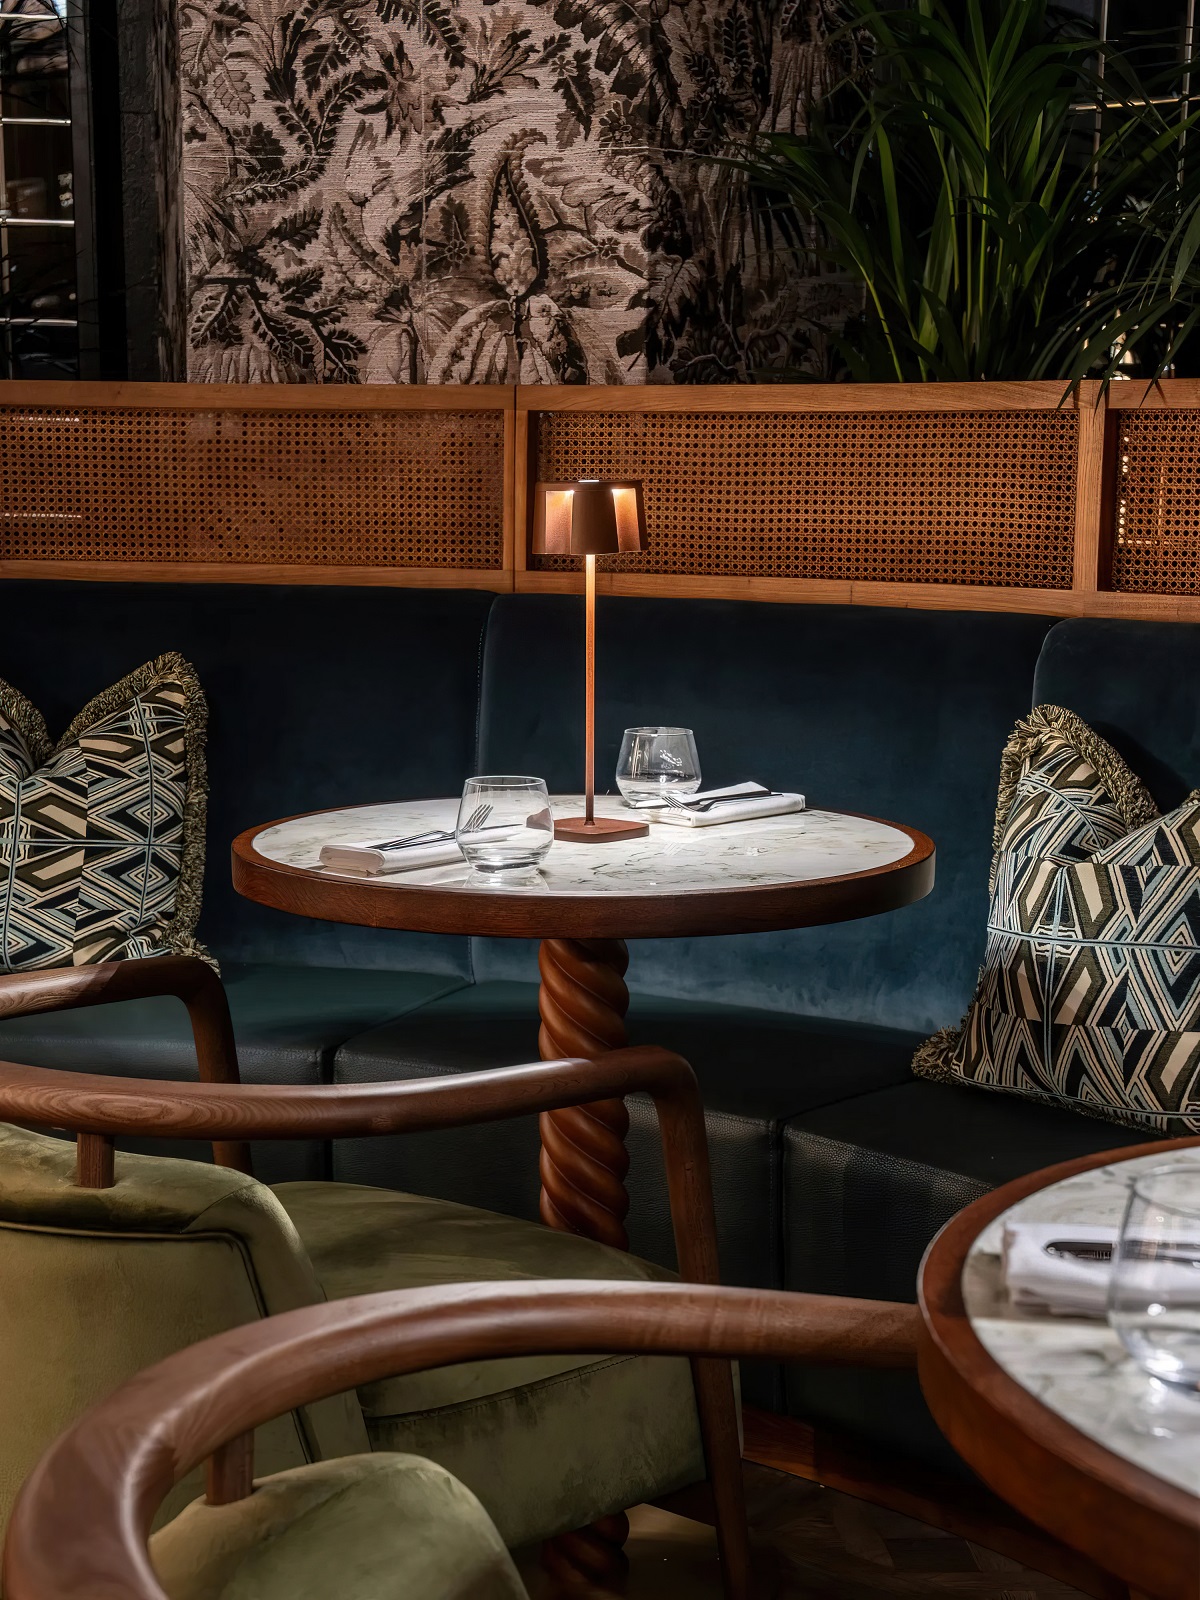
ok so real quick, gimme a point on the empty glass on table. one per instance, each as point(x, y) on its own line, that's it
point(655, 760)
point(504, 823)
point(1154, 1293)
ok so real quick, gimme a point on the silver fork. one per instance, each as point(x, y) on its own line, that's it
point(474, 821)
point(677, 804)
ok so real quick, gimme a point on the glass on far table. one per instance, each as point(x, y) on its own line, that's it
point(655, 760)
point(504, 823)
point(1154, 1293)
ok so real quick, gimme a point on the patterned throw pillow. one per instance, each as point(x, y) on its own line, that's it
point(1089, 994)
point(102, 837)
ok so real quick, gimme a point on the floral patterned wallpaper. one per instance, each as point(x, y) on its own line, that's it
point(460, 191)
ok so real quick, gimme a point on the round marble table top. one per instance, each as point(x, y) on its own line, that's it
point(1077, 1366)
point(774, 872)
point(1048, 1409)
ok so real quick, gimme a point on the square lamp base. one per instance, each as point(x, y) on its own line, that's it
point(604, 830)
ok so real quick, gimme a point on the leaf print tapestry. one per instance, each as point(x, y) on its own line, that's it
point(455, 191)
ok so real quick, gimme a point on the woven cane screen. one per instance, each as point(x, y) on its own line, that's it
point(970, 497)
point(1156, 545)
point(353, 488)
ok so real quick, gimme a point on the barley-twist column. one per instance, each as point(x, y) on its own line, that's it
point(583, 1001)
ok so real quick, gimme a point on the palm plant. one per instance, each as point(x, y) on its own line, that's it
point(998, 226)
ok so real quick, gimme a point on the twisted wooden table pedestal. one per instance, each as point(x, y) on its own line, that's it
point(582, 1001)
point(823, 867)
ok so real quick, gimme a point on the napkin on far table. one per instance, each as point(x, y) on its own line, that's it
point(764, 805)
point(366, 859)
point(1060, 1284)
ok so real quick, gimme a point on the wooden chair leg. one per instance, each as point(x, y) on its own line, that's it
point(590, 1560)
point(723, 1454)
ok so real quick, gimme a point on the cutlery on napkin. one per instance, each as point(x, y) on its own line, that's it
point(1069, 1285)
point(370, 860)
point(1065, 1267)
point(740, 802)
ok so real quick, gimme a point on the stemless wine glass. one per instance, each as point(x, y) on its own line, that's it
point(504, 823)
point(653, 760)
point(1154, 1294)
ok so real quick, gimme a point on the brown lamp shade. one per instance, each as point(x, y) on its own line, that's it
point(589, 518)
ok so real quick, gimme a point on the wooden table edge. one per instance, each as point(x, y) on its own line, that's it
point(368, 902)
point(1135, 1524)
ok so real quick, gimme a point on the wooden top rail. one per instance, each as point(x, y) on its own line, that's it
point(22, 392)
point(843, 397)
point(962, 496)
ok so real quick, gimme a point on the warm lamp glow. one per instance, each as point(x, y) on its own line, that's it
point(631, 521)
point(555, 507)
point(590, 518)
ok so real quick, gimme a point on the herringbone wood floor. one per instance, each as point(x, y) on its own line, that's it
point(816, 1544)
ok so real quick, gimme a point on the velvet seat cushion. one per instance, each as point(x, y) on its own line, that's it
point(364, 1527)
point(99, 1283)
point(547, 1443)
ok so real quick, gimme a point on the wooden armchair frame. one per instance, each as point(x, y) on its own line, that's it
point(185, 978)
point(83, 1519)
point(229, 1113)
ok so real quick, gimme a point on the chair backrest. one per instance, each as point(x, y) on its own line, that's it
point(101, 1282)
point(87, 1507)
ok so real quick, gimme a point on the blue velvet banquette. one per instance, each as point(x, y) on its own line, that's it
point(833, 1166)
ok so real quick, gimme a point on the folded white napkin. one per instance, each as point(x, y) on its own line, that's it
point(364, 858)
point(1038, 1279)
point(769, 805)
point(1064, 1285)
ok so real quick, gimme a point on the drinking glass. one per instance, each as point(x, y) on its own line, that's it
point(653, 760)
point(1154, 1295)
point(504, 823)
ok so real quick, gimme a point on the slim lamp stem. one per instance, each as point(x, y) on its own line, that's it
point(589, 719)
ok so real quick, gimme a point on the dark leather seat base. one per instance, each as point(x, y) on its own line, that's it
point(867, 1184)
point(288, 1022)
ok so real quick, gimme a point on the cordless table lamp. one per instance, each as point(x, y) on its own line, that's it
point(590, 518)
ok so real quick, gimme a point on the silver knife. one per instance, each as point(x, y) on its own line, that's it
point(1187, 1255)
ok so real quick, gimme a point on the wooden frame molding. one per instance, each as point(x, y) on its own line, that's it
point(1029, 499)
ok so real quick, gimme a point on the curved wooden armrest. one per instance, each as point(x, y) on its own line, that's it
point(98, 1108)
point(186, 978)
point(82, 1520)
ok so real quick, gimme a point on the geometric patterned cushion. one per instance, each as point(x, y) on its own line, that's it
point(102, 837)
point(1090, 989)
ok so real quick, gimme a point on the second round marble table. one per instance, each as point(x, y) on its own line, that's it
point(811, 868)
point(1049, 1410)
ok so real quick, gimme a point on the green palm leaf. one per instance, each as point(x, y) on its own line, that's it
point(959, 182)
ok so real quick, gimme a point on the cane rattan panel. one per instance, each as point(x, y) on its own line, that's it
point(382, 488)
point(966, 497)
point(1156, 548)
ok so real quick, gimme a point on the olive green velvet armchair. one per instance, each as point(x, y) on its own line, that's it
point(112, 1261)
point(378, 1527)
